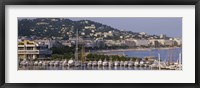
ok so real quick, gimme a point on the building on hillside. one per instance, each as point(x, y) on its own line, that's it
point(50, 43)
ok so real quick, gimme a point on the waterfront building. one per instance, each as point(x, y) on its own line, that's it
point(114, 42)
point(33, 50)
point(141, 42)
point(165, 42)
point(130, 43)
point(154, 43)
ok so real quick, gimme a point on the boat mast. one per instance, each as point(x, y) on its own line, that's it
point(83, 53)
point(159, 61)
point(76, 49)
point(172, 56)
point(168, 56)
point(180, 61)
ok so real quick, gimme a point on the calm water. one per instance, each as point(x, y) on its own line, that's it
point(164, 53)
point(82, 68)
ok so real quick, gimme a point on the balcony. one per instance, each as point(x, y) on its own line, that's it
point(34, 52)
point(28, 51)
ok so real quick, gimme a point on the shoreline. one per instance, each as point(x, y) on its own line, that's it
point(132, 49)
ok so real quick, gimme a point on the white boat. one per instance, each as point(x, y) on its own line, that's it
point(36, 63)
point(30, 63)
point(89, 63)
point(100, 63)
point(51, 63)
point(64, 63)
point(121, 63)
point(105, 63)
point(116, 63)
point(26, 63)
point(130, 63)
point(142, 63)
point(136, 64)
point(171, 67)
point(94, 63)
point(45, 63)
point(77, 63)
point(71, 62)
point(40, 63)
point(56, 63)
point(163, 65)
point(23, 62)
point(110, 63)
point(155, 64)
point(125, 63)
point(60, 63)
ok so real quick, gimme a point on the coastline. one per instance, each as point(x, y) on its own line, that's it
point(131, 49)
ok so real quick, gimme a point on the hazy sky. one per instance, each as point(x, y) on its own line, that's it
point(170, 26)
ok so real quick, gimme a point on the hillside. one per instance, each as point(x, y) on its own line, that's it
point(65, 28)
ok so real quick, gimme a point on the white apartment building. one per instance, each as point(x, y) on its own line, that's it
point(141, 42)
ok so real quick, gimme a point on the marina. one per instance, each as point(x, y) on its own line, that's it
point(152, 59)
point(116, 50)
point(148, 64)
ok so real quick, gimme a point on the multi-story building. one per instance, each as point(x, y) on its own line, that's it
point(178, 41)
point(165, 42)
point(33, 50)
point(141, 42)
point(154, 43)
point(130, 43)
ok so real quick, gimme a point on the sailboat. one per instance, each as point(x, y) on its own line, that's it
point(100, 62)
point(110, 63)
point(105, 63)
point(89, 63)
point(94, 63)
point(64, 63)
point(130, 63)
point(116, 63)
point(125, 63)
point(71, 62)
point(121, 63)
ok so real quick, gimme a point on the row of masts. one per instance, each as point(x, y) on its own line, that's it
point(173, 66)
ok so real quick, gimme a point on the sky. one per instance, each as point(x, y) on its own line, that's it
point(172, 27)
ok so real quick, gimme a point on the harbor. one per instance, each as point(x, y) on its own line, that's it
point(96, 47)
point(170, 62)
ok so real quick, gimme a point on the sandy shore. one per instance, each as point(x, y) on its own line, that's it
point(131, 49)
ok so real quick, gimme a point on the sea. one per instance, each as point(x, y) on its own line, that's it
point(165, 53)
